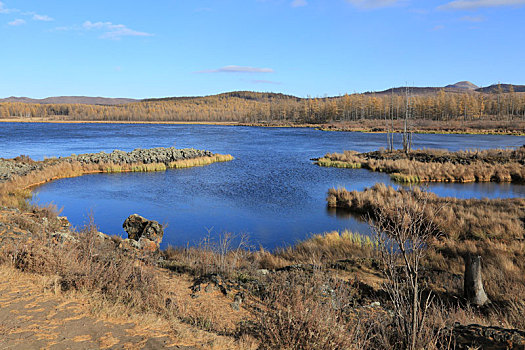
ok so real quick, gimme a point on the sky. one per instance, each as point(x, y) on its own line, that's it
point(141, 49)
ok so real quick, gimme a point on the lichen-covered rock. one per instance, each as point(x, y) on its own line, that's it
point(140, 229)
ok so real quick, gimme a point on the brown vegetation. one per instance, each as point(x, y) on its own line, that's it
point(338, 290)
point(437, 165)
point(493, 229)
point(253, 107)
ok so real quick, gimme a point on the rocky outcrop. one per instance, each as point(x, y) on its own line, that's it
point(143, 233)
point(23, 165)
point(146, 156)
point(18, 166)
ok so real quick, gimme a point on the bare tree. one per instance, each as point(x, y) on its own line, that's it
point(403, 233)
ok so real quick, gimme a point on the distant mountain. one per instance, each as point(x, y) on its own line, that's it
point(245, 95)
point(504, 88)
point(466, 85)
point(85, 100)
point(460, 88)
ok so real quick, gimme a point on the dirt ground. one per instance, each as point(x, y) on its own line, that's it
point(33, 316)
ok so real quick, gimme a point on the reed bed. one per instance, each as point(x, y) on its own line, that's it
point(200, 161)
point(458, 219)
point(495, 165)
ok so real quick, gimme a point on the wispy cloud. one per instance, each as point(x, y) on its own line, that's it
point(45, 18)
point(265, 82)
point(438, 27)
point(299, 3)
point(475, 4)
point(474, 19)
point(374, 4)
point(17, 22)
point(112, 31)
point(5, 10)
point(34, 16)
point(237, 69)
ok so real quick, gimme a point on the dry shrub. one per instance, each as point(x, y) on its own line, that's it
point(308, 311)
point(227, 255)
point(92, 264)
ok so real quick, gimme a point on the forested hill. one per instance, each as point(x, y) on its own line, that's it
point(459, 101)
point(86, 100)
point(458, 88)
point(245, 95)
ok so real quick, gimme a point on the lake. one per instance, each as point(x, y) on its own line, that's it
point(272, 191)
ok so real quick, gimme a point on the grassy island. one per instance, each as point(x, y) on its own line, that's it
point(429, 165)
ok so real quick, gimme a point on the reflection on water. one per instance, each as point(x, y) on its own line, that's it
point(345, 214)
point(271, 191)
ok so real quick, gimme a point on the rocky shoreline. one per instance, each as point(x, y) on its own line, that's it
point(23, 165)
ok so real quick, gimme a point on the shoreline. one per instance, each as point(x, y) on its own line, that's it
point(320, 127)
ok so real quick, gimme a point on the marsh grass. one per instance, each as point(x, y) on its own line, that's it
point(326, 162)
point(200, 161)
point(428, 165)
point(496, 219)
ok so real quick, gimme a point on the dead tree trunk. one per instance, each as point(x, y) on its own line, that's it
point(473, 284)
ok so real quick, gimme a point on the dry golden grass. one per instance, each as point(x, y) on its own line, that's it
point(14, 192)
point(496, 219)
point(493, 229)
point(328, 247)
point(496, 165)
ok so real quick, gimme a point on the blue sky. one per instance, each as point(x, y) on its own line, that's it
point(162, 48)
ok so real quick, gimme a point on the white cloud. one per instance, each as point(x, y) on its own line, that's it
point(373, 4)
point(112, 31)
point(45, 18)
point(17, 22)
point(5, 10)
point(475, 4)
point(237, 69)
point(299, 3)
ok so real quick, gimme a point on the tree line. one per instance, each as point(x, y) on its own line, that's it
point(253, 107)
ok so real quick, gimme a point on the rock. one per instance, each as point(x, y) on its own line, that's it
point(215, 280)
point(140, 228)
point(476, 336)
point(237, 301)
point(235, 306)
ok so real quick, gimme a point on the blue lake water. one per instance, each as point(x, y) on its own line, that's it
point(271, 191)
